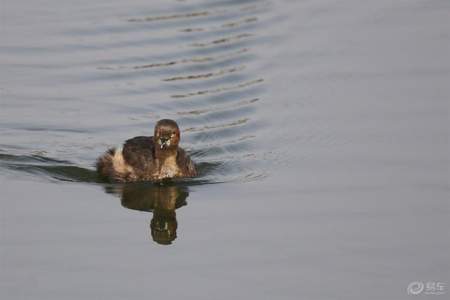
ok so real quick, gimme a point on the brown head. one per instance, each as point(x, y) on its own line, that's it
point(167, 134)
point(163, 226)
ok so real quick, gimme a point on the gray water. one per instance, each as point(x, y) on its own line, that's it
point(320, 129)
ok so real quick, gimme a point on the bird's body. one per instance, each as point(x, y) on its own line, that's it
point(148, 158)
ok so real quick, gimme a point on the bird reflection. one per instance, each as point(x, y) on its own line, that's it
point(161, 200)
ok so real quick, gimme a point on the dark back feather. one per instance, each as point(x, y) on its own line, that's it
point(139, 152)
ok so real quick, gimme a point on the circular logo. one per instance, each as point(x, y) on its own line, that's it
point(415, 288)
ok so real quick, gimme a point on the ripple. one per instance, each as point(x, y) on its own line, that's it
point(220, 90)
point(225, 40)
point(233, 24)
point(171, 17)
point(195, 63)
point(206, 75)
point(217, 108)
point(209, 127)
point(190, 16)
point(192, 60)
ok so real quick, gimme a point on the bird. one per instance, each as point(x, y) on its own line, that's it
point(148, 158)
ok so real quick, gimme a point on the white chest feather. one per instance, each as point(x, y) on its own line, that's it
point(169, 168)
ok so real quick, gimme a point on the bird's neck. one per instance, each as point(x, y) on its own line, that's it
point(165, 154)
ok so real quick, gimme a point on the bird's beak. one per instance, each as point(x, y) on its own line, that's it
point(164, 142)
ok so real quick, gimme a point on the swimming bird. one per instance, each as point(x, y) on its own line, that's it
point(148, 158)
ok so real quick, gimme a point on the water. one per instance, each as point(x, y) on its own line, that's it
point(320, 128)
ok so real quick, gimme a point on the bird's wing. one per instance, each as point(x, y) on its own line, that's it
point(138, 152)
point(184, 160)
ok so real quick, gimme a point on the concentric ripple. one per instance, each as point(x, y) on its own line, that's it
point(98, 82)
